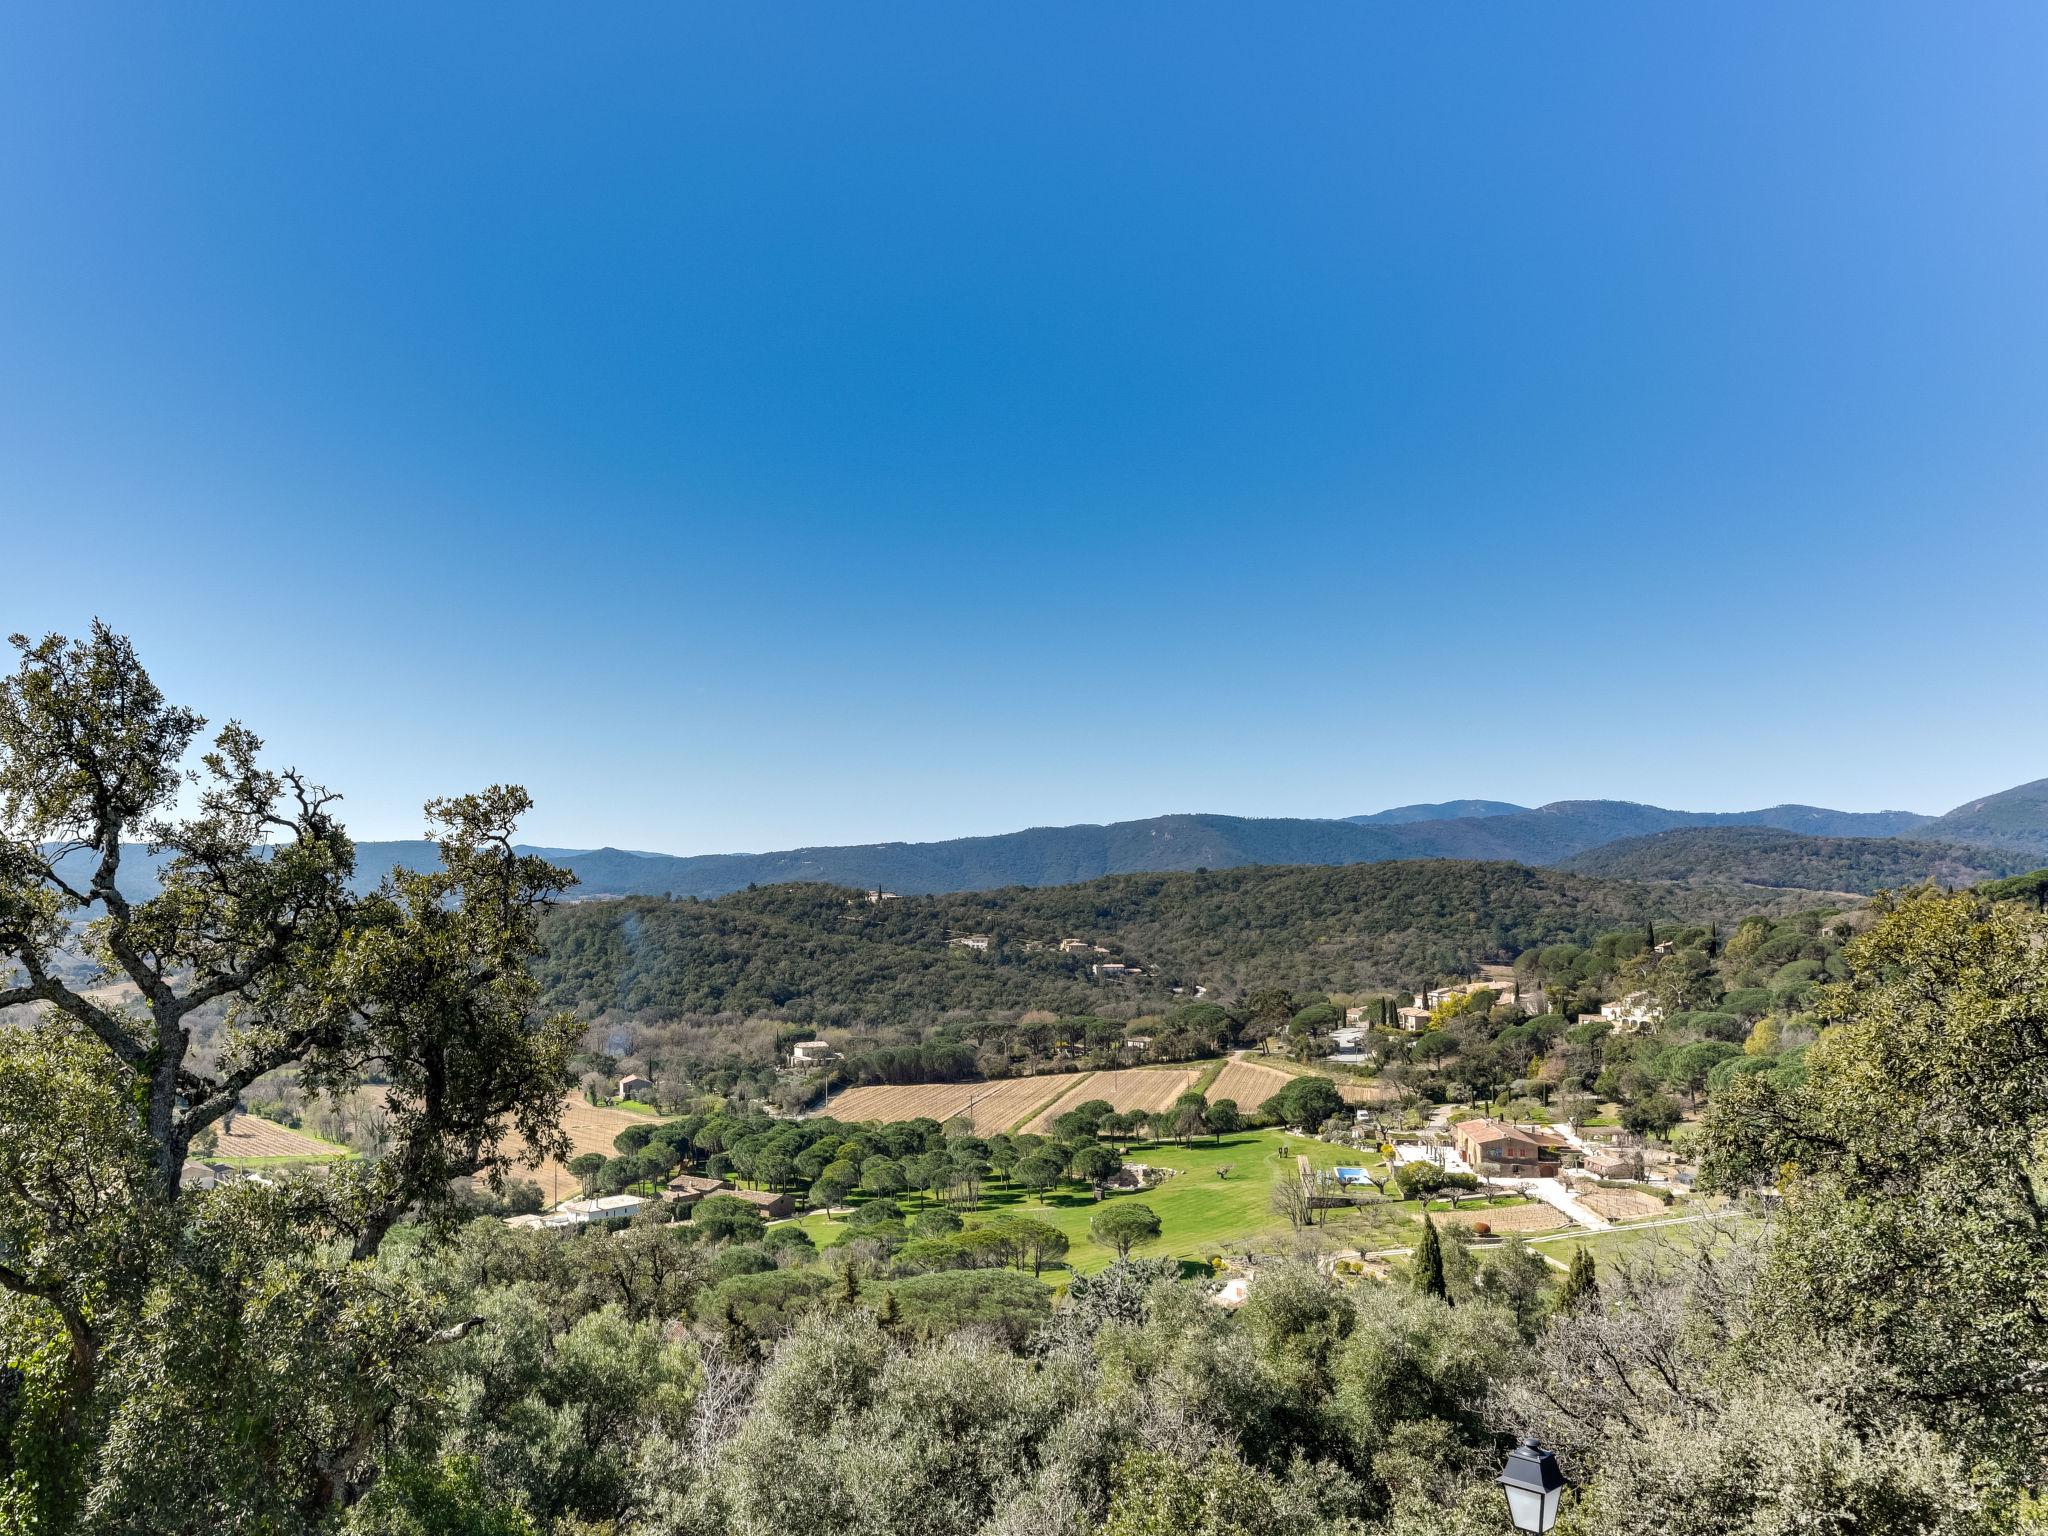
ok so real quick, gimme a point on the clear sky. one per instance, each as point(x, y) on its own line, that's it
point(758, 425)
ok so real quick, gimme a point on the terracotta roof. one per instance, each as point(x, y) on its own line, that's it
point(1484, 1131)
point(692, 1183)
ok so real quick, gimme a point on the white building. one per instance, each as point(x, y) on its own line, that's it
point(1632, 1012)
point(810, 1053)
point(601, 1208)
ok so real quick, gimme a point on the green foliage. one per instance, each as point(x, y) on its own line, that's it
point(2031, 888)
point(1581, 1283)
point(822, 955)
point(1002, 1301)
point(448, 1497)
point(1765, 856)
point(1123, 1224)
point(1305, 1103)
point(1156, 1495)
point(1908, 1156)
point(1426, 1264)
point(766, 1303)
point(727, 1218)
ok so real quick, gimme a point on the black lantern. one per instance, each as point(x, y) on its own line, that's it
point(1532, 1484)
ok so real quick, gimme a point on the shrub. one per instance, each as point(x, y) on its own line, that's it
point(1005, 1300)
point(765, 1303)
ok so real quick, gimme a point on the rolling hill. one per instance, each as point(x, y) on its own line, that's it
point(825, 955)
point(1441, 810)
point(1773, 858)
point(2015, 818)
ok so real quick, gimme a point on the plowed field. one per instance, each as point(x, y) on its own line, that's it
point(1509, 1218)
point(590, 1128)
point(252, 1136)
point(1622, 1204)
point(1132, 1088)
point(1247, 1084)
point(992, 1107)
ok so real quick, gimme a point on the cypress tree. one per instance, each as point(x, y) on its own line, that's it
point(889, 1317)
point(1581, 1284)
point(1426, 1270)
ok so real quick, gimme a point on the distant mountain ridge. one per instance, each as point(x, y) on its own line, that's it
point(1441, 810)
point(2015, 821)
point(1782, 860)
point(2015, 818)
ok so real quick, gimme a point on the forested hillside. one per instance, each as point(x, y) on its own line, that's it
point(1767, 856)
point(1438, 810)
point(2015, 818)
point(827, 955)
point(1043, 856)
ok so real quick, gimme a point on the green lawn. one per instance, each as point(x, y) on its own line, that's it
point(1199, 1213)
point(637, 1107)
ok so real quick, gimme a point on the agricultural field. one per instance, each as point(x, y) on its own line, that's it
point(1355, 1091)
point(1623, 1204)
point(889, 1102)
point(1147, 1088)
point(991, 1107)
point(590, 1128)
point(1001, 1105)
point(1366, 1095)
point(1247, 1084)
point(247, 1139)
point(1515, 1220)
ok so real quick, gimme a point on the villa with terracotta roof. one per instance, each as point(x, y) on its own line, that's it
point(1493, 1148)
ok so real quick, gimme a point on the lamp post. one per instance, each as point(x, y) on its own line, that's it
point(1532, 1484)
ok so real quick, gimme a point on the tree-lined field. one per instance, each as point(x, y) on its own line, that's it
point(251, 1136)
point(1147, 1088)
point(590, 1128)
point(992, 1107)
point(1247, 1084)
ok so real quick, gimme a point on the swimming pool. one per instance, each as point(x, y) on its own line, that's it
point(1350, 1175)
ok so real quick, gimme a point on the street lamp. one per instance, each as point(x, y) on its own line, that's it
point(1532, 1484)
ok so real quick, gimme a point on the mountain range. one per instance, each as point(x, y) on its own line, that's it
point(2007, 831)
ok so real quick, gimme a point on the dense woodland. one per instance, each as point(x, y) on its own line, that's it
point(1794, 861)
point(824, 955)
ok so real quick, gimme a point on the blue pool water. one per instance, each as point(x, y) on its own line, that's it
point(1351, 1175)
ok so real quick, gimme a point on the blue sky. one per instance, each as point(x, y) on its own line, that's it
point(752, 426)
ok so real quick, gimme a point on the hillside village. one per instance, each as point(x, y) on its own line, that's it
point(1594, 1130)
